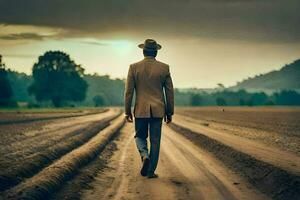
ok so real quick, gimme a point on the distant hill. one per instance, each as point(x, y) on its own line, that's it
point(287, 78)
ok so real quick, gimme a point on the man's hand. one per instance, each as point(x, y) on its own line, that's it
point(129, 118)
point(168, 119)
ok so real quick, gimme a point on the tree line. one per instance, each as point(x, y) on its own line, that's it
point(58, 81)
point(244, 98)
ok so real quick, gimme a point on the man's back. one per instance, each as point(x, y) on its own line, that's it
point(149, 78)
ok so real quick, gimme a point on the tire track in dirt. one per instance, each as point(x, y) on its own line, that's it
point(121, 173)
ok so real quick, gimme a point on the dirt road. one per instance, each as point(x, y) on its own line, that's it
point(185, 172)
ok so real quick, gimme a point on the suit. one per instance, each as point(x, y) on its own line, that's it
point(152, 83)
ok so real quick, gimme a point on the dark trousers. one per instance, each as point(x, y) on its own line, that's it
point(142, 127)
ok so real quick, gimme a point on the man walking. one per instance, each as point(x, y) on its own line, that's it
point(154, 100)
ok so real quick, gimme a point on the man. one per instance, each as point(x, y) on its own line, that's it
point(154, 100)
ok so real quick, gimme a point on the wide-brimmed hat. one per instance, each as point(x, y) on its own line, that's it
point(150, 45)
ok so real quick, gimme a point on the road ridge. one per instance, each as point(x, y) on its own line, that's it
point(32, 165)
point(7, 122)
point(50, 178)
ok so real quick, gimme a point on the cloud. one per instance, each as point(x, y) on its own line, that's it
point(23, 36)
point(20, 55)
point(93, 43)
point(251, 20)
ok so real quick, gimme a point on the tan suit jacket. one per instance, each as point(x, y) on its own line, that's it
point(152, 83)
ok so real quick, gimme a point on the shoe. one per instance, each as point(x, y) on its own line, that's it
point(145, 166)
point(152, 175)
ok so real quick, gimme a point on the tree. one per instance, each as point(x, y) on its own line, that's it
point(98, 100)
point(19, 84)
point(221, 102)
point(287, 97)
point(112, 90)
point(196, 100)
point(6, 93)
point(242, 102)
point(57, 78)
point(249, 102)
point(269, 102)
point(259, 98)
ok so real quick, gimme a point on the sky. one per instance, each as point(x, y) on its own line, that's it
point(205, 42)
